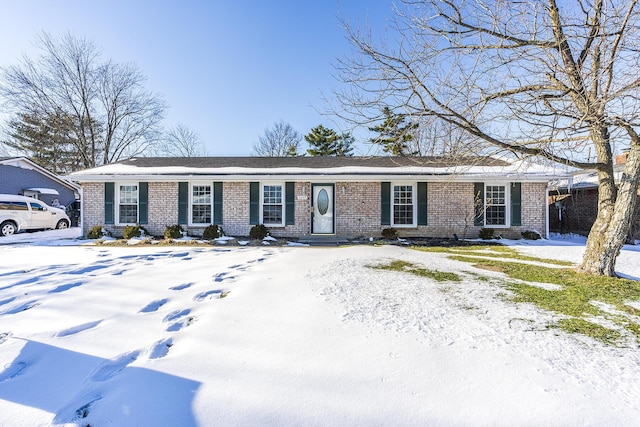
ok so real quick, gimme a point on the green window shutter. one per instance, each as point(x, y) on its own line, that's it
point(254, 203)
point(385, 203)
point(422, 203)
point(183, 202)
point(109, 192)
point(516, 203)
point(143, 202)
point(290, 203)
point(217, 203)
point(478, 203)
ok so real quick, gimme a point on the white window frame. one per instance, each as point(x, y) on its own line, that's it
point(283, 203)
point(414, 203)
point(190, 217)
point(507, 204)
point(117, 202)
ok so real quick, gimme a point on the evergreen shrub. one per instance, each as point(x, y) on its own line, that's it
point(486, 233)
point(132, 231)
point(173, 232)
point(212, 231)
point(530, 235)
point(259, 232)
point(95, 232)
point(390, 233)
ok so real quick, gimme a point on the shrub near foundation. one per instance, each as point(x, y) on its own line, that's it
point(212, 231)
point(173, 232)
point(486, 233)
point(259, 232)
point(95, 232)
point(390, 233)
point(134, 231)
point(530, 235)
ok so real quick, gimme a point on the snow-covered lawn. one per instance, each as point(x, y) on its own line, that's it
point(180, 336)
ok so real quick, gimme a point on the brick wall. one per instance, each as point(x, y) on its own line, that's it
point(358, 209)
point(580, 209)
point(235, 208)
point(92, 205)
point(449, 210)
point(163, 206)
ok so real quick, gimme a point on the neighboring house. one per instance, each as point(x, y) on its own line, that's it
point(19, 175)
point(573, 202)
point(308, 196)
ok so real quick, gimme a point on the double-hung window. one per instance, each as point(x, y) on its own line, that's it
point(201, 202)
point(127, 204)
point(403, 205)
point(495, 205)
point(272, 205)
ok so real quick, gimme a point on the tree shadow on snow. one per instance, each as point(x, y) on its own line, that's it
point(78, 387)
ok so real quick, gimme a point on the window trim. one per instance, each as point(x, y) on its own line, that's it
point(507, 204)
point(414, 203)
point(283, 203)
point(116, 201)
point(190, 203)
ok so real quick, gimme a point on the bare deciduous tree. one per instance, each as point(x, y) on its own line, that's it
point(534, 78)
point(279, 141)
point(113, 116)
point(180, 141)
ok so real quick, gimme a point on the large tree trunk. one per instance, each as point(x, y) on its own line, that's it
point(615, 213)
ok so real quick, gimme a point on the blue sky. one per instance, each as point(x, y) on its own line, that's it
point(226, 69)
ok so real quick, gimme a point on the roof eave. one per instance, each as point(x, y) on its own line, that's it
point(319, 176)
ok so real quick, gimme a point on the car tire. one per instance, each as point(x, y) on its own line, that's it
point(8, 228)
point(62, 224)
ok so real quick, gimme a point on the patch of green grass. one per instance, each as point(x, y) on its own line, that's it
point(407, 267)
point(590, 329)
point(502, 252)
point(574, 297)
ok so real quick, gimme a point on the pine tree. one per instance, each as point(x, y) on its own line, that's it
point(47, 140)
point(394, 135)
point(344, 146)
point(326, 142)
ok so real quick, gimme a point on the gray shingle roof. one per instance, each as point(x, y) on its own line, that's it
point(310, 162)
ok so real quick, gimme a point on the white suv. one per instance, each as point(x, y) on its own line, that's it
point(24, 213)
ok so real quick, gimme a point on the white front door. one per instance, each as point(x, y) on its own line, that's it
point(322, 209)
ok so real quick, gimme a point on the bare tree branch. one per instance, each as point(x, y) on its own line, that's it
point(113, 116)
point(547, 79)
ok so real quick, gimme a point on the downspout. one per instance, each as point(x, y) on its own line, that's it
point(82, 211)
point(546, 213)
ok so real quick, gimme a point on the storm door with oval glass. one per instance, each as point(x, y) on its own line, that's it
point(323, 209)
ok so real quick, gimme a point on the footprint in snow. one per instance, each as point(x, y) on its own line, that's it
point(180, 287)
point(111, 368)
point(7, 301)
point(222, 276)
point(23, 307)
point(212, 294)
point(12, 371)
point(176, 315)
point(77, 329)
point(83, 411)
point(179, 320)
point(160, 349)
point(179, 325)
point(153, 306)
point(63, 288)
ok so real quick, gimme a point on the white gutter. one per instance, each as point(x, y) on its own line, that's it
point(319, 177)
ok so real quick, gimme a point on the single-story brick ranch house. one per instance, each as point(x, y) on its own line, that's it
point(307, 196)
